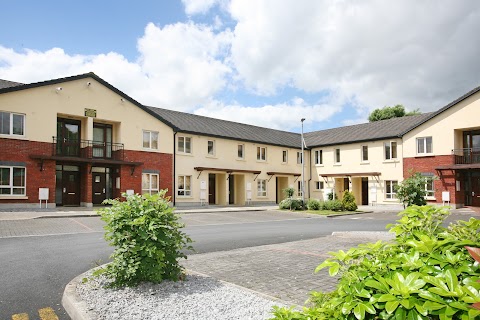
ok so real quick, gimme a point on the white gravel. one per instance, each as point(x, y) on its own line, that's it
point(197, 298)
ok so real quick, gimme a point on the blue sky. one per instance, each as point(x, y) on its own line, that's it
point(262, 62)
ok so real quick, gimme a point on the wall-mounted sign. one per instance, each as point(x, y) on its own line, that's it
point(90, 113)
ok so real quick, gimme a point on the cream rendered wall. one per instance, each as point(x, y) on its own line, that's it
point(350, 156)
point(226, 157)
point(41, 105)
point(464, 115)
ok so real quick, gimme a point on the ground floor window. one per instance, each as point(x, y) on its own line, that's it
point(261, 187)
point(184, 188)
point(12, 181)
point(429, 188)
point(390, 186)
point(299, 189)
point(150, 183)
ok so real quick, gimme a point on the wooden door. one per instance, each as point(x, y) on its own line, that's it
point(211, 188)
point(365, 191)
point(231, 189)
point(71, 188)
point(475, 180)
point(99, 187)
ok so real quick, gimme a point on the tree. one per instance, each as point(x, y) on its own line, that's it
point(412, 190)
point(391, 112)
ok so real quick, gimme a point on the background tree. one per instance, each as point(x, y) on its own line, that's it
point(412, 190)
point(390, 112)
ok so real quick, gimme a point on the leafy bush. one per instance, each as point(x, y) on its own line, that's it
point(426, 273)
point(291, 204)
point(314, 204)
point(288, 192)
point(146, 235)
point(330, 195)
point(334, 205)
point(411, 191)
point(348, 201)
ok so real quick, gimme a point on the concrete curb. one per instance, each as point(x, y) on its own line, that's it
point(347, 214)
point(75, 307)
point(372, 235)
point(68, 216)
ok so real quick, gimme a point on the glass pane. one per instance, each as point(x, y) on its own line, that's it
point(19, 177)
point(4, 123)
point(71, 168)
point(5, 190)
point(240, 151)
point(394, 150)
point(321, 157)
point(420, 145)
point(210, 147)
point(429, 145)
point(187, 182)
point(145, 181)
point(387, 150)
point(181, 182)
point(181, 143)
point(187, 145)
point(154, 140)
point(476, 141)
point(154, 181)
point(71, 132)
point(98, 134)
point(146, 139)
point(258, 153)
point(4, 176)
point(18, 191)
point(18, 124)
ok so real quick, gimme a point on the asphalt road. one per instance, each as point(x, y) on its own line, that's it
point(39, 257)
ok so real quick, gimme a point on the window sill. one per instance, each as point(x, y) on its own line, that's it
point(262, 197)
point(211, 157)
point(430, 198)
point(365, 162)
point(319, 165)
point(337, 164)
point(185, 154)
point(262, 161)
point(317, 190)
point(12, 136)
point(240, 159)
point(424, 155)
point(391, 161)
point(150, 149)
point(11, 197)
point(184, 197)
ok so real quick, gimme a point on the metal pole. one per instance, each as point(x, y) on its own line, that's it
point(303, 170)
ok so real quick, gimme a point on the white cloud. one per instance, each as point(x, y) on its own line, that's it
point(198, 6)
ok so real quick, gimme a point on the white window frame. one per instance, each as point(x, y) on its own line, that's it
point(241, 147)
point(337, 160)
point(390, 193)
point(319, 185)
point(184, 192)
point(259, 154)
point(182, 144)
point(362, 154)
point(299, 157)
point(151, 177)
point(11, 185)
point(430, 193)
point(261, 187)
point(284, 156)
point(212, 154)
point(425, 149)
point(150, 141)
point(319, 157)
point(299, 188)
point(390, 155)
point(10, 123)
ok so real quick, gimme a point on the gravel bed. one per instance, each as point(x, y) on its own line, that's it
point(197, 298)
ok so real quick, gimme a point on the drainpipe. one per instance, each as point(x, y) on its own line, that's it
point(174, 193)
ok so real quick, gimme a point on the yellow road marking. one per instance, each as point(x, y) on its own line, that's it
point(47, 314)
point(20, 316)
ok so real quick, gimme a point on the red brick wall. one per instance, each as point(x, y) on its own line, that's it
point(16, 150)
point(446, 181)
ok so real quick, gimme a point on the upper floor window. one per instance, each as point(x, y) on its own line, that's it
point(390, 189)
point(211, 147)
point(364, 153)
point(150, 139)
point(150, 183)
point(241, 151)
point(261, 153)
point(299, 158)
point(337, 156)
point(318, 156)
point(184, 144)
point(424, 145)
point(261, 187)
point(12, 123)
point(390, 150)
point(284, 156)
point(12, 181)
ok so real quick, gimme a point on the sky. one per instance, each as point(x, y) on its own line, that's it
point(263, 62)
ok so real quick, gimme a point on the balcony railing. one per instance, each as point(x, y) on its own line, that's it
point(466, 155)
point(88, 149)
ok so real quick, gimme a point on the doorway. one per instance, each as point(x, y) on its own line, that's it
point(231, 189)
point(67, 188)
point(102, 140)
point(472, 189)
point(102, 184)
point(68, 137)
point(211, 188)
point(365, 191)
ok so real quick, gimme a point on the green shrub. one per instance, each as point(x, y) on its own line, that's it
point(291, 204)
point(314, 204)
point(348, 201)
point(334, 205)
point(411, 191)
point(148, 242)
point(425, 273)
point(288, 192)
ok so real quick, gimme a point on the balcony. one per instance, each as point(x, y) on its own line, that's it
point(467, 155)
point(87, 149)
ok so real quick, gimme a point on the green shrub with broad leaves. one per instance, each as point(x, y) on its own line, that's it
point(348, 201)
point(147, 238)
point(334, 205)
point(425, 273)
point(314, 204)
point(291, 204)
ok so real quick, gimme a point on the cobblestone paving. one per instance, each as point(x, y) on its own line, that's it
point(284, 271)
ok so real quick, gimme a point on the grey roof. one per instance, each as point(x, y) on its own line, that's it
point(378, 130)
point(190, 123)
point(8, 84)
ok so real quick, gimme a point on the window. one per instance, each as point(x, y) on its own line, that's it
point(299, 158)
point(241, 153)
point(150, 183)
point(184, 188)
point(150, 139)
point(364, 153)
point(318, 156)
point(390, 150)
point(337, 156)
point(429, 188)
point(211, 147)
point(261, 187)
point(184, 144)
point(284, 156)
point(424, 145)
point(12, 181)
point(390, 192)
point(319, 185)
point(12, 123)
point(261, 153)
point(299, 190)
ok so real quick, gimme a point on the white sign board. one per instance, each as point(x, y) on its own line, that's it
point(446, 196)
point(130, 192)
point(249, 187)
point(203, 185)
point(43, 193)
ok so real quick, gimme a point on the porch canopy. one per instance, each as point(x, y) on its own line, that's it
point(349, 175)
point(272, 174)
point(229, 171)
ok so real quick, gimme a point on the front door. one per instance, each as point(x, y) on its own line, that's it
point(365, 191)
point(99, 187)
point(71, 188)
point(475, 193)
point(231, 189)
point(211, 188)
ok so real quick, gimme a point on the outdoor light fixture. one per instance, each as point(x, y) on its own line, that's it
point(58, 89)
point(303, 168)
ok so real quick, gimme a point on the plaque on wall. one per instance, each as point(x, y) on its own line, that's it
point(90, 113)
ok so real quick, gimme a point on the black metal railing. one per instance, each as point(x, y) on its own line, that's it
point(466, 155)
point(88, 149)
